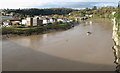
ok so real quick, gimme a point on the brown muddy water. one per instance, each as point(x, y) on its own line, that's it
point(70, 50)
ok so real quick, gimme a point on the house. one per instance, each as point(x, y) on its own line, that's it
point(52, 20)
point(29, 21)
point(14, 21)
point(10, 22)
point(44, 20)
point(48, 20)
point(84, 18)
point(2, 13)
point(5, 24)
point(59, 19)
point(24, 21)
point(36, 21)
point(77, 18)
point(89, 16)
point(69, 14)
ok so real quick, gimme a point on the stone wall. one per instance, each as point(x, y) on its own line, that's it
point(116, 40)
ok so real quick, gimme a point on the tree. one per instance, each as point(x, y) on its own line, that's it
point(94, 7)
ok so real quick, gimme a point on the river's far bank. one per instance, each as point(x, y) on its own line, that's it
point(5, 37)
point(8, 32)
point(45, 29)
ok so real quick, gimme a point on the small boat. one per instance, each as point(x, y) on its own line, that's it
point(88, 33)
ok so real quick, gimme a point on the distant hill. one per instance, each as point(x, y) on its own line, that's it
point(34, 11)
point(104, 12)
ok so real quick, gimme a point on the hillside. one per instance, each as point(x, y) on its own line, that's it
point(35, 11)
point(104, 12)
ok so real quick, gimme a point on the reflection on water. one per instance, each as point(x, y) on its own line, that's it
point(90, 22)
point(44, 35)
point(65, 50)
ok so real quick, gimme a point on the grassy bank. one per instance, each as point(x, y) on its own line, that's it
point(22, 30)
point(117, 16)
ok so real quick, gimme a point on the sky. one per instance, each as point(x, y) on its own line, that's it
point(15, 4)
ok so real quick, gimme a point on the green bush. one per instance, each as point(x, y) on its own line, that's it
point(31, 30)
point(7, 30)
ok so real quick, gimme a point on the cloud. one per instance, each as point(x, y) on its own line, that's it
point(105, 4)
point(22, 3)
point(37, 3)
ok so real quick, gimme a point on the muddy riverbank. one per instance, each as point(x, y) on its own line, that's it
point(8, 32)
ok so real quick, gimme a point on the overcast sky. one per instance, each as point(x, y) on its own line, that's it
point(42, 3)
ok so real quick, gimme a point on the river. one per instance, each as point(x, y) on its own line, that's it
point(70, 50)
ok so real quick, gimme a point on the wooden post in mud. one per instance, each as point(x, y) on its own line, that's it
point(116, 38)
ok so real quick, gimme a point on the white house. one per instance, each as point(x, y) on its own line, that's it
point(5, 24)
point(24, 21)
point(59, 19)
point(29, 21)
point(36, 21)
point(45, 21)
point(89, 16)
point(51, 20)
